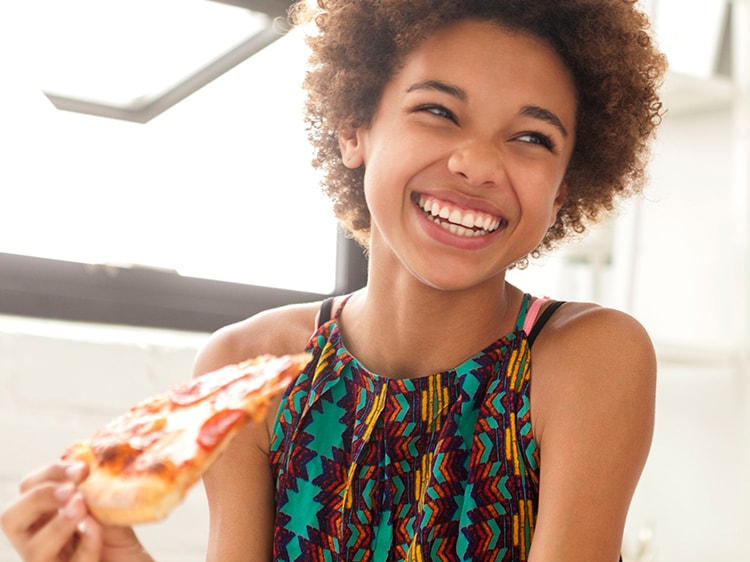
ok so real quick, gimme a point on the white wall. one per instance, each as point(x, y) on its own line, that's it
point(60, 381)
point(691, 292)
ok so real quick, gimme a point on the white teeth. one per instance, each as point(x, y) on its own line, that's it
point(458, 221)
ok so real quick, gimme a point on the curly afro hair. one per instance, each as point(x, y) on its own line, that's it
point(358, 45)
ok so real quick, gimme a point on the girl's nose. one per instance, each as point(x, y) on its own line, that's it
point(479, 163)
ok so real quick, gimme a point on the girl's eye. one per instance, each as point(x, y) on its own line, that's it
point(537, 138)
point(438, 110)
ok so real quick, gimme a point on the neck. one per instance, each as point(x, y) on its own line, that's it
point(403, 329)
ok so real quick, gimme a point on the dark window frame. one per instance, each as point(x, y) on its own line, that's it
point(150, 297)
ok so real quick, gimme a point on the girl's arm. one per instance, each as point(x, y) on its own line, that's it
point(593, 396)
point(239, 485)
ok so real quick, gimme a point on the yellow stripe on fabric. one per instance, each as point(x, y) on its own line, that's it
point(426, 404)
point(347, 503)
point(446, 397)
point(414, 554)
point(516, 366)
point(525, 364)
point(514, 444)
point(513, 368)
point(532, 518)
point(433, 402)
point(508, 450)
point(422, 477)
point(323, 362)
point(372, 416)
point(445, 401)
point(377, 408)
point(434, 399)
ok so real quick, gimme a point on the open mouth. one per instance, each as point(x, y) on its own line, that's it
point(460, 222)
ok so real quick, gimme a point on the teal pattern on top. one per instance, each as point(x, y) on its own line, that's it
point(437, 468)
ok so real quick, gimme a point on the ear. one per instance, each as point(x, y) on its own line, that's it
point(352, 147)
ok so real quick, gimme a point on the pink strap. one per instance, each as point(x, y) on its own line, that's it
point(532, 313)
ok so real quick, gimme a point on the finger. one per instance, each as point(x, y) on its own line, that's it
point(47, 542)
point(34, 508)
point(90, 545)
point(74, 471)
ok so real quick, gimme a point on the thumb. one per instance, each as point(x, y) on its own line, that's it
point(89, 546)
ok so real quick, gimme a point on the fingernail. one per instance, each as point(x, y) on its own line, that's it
point(75, 508)
point(75, 470)
point(82, 527)
point(64, 491)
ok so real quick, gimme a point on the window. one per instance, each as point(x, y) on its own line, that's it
point(188, 214)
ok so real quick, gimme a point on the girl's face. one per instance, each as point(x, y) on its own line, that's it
point(466, 154)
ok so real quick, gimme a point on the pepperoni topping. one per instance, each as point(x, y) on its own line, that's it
point(259, 370)
point(201, 387)
point(217, 426)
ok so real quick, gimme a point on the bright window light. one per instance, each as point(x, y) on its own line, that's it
point(218, 186)
point(690, 32)
point(122, 53)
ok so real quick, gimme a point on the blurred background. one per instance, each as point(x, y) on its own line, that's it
point(155, 186)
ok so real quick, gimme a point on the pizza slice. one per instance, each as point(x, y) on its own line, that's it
point(142, 463)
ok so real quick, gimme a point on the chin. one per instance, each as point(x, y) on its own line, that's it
point(451, 282)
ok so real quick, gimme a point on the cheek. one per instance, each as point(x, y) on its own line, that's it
point(537, 185)
point(385, 176)
point(376, 194)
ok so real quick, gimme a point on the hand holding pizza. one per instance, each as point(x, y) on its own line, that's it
point(139, 467)
point(50, 521)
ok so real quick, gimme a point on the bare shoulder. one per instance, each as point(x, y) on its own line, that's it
point(588, 336)
point(595, 328)
point(587, 352)
point(277, 331)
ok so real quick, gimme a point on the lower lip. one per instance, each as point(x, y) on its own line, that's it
point(446, 237)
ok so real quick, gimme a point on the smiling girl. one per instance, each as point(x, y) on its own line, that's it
point(447, 415)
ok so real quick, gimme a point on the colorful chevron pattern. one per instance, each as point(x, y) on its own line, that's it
point(438, 468)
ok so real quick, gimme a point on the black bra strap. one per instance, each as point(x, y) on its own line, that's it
point(325, 311)
point(542, 320)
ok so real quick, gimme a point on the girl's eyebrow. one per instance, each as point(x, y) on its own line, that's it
point(536, 112)
point(533, 111)
point(439, 86)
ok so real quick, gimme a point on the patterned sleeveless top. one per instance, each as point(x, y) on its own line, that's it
point(438, 468)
